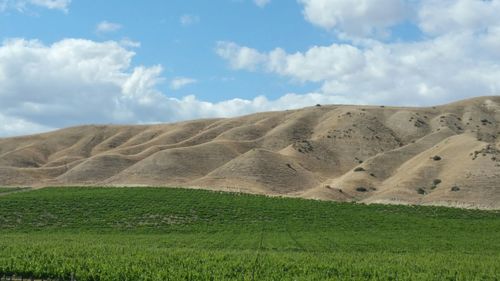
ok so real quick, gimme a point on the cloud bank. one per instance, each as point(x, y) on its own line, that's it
point(76, 81)
point(355, 17)
point(458, 57)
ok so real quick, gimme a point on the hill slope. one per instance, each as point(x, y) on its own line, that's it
point(443, 155)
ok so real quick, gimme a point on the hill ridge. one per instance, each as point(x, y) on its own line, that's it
point(372, 154)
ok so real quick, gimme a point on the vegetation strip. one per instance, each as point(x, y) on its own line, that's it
point(179, 234)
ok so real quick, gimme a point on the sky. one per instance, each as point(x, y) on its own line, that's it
point(71, 62)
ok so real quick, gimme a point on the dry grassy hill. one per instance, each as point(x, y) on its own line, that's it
point(443, 155)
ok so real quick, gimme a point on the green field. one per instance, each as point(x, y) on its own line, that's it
point(10, 189)
point(178, 234)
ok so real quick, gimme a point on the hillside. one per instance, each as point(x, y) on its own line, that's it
point(443, 155)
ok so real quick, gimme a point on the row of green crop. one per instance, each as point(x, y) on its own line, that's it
point(163, 210)
point(93, 258)
point(175, 234)
point(11, 189)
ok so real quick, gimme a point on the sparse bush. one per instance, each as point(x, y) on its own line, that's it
point(435, 183)
point(436, 158)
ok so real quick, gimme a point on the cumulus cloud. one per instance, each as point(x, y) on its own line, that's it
point(239, 57)
point(21, 5)
point(68, 80)
point(458, 56)
point(76, 81)
point(179, 82)
point(318, 63)
point(261, 3)
point(445, 16)
point(415, 73)
point(106, 26)
point(12, 126)
point(367, 18)
point(356, 17)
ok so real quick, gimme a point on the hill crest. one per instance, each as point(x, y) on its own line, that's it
point(442, 155)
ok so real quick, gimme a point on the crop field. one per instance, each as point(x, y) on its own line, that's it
point(180, 234)
point(10, 189)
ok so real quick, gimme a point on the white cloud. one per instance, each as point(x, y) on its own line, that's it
point(52, 4)
point(106, 26)
point(458, 56)
point(355, 17)
point(318, 63)
point(445, 16)
point(77, 81)
point(68, 81)
point(12, 126)
point(368, 18)
point(261, 3)
point(431, 71)
point(239, 57)
point(187, 19)
point(180, 82)
point(22, 5)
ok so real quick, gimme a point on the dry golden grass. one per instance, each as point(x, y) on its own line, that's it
point(310, 152)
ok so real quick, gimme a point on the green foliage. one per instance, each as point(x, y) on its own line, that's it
point(10, 189)
point(180, 234)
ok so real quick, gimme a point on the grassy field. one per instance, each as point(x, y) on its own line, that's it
point(177, 234)
point(11, 189)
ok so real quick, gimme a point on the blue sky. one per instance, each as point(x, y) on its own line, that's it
point(184, 50)
point(71, 62)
